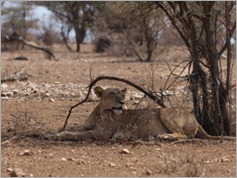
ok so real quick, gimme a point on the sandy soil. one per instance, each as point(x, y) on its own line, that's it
point(33, 113)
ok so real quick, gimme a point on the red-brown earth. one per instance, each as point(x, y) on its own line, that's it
point(41, 104)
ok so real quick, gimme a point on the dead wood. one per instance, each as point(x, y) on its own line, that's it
point(20, 58)
point(20, 75)
point(15, 38)
point(93, 82)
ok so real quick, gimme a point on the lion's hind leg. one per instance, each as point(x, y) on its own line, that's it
point(172, 136)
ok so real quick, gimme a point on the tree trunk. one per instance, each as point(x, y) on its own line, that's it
point(199, 32)
point(80, 34)
point(218, 98)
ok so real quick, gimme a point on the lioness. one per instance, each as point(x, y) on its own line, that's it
point(109, 120)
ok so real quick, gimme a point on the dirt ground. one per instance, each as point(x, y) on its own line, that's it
point(45, 109)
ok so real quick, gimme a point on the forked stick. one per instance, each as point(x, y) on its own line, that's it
point(93, 82)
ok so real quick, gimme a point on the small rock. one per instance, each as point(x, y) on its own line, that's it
point(9, 93)
point(81, 162)
point(26, 153)
point(50, 155)
point(4, 97)
point(70, 159)
point(31, 175)
point(57, 82)
point(4, 86)
point(125, 151)
point(111, 164)
point(128, 164)
point(148, 172)
point(206, 161)
point(17, 172)
point(52, 100)
point(64, 159)
point(167, 93)
point(16, 91)
point(225, 159)
point(9, 169)
point(47, 94)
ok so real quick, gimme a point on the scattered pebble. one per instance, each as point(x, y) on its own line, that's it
point(4, 86)
point(52, 100)
point(148, 172)
point(63, 159)
point(16, 172)
point(71, 159)
point(206, 162)
point(47, 94)
point(125, 151)
point(225, 159)
point(111, 164)
point(81, 162)
point(59, 90)
point(9, 169)
point(26, 153)
point(50, 155)
point(52, 90)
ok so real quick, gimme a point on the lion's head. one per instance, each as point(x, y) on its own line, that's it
point(111, 99)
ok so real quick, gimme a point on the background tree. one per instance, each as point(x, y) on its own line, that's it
point(18, 18)
point(78, 15)
point(144, 26)
point(202, 26)
point(49, 35)
point(133, 26)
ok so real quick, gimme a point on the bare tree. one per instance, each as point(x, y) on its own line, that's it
point(78, 15)
point(199, 24)
point(137, 26)
point(144, 33)
point(49, 35)
point(18, 18)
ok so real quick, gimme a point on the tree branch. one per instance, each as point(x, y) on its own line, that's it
point(15, 38)
point(150, 95)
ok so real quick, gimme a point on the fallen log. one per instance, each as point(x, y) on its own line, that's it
point(15, 38)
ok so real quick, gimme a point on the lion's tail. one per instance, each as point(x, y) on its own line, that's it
point(202, 133)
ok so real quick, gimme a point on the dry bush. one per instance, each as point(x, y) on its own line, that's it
point(174, 91)
point(24, 122)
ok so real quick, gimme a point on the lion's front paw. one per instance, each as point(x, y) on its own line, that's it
point(167, 137)
point(50, 137)
point(56, 136)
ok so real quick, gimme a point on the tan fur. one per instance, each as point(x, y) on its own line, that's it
point(109, 121)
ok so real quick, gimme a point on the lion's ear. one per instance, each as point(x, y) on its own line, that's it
point(98, 91)
point(124, 90)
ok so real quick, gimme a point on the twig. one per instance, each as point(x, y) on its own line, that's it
point(178, 76)
point(150, 95)
point(10, 139)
